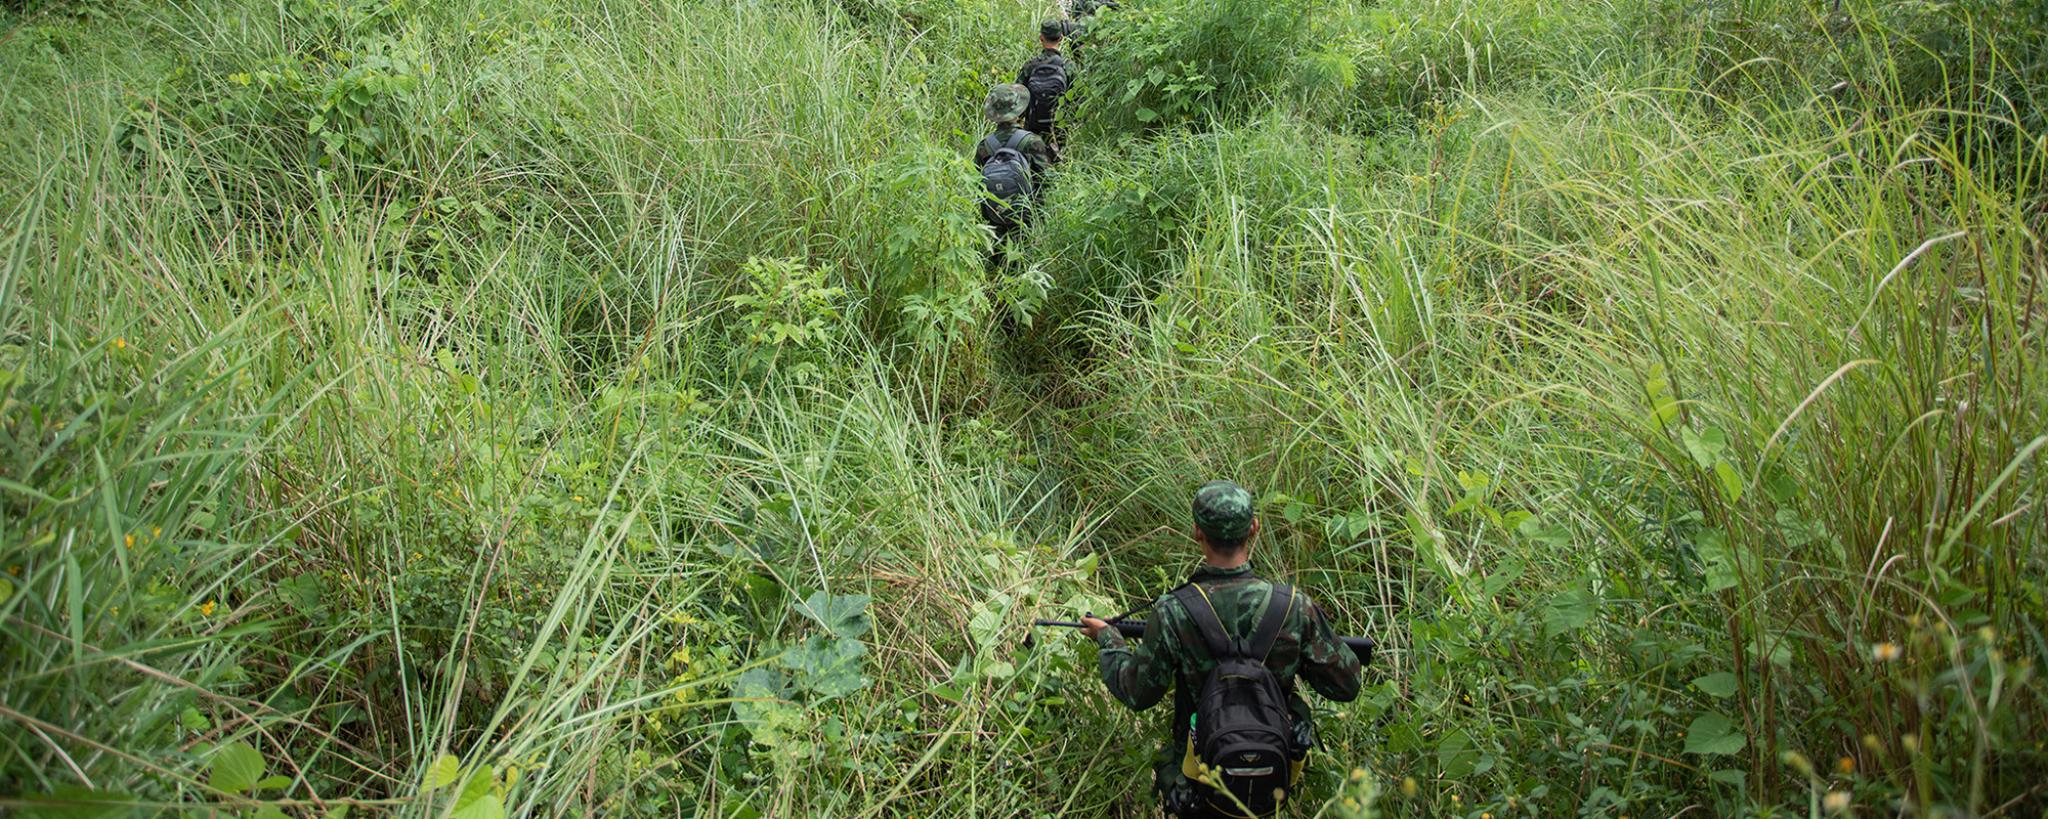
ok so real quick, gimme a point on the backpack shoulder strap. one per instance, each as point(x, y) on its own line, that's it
point(1278, 606)
point(1016, 141)
point(991, 144)
point(1196, 601)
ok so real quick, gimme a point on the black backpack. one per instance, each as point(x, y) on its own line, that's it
point(1047, 79)
point(1242, 727)
point(1084, 8)
point(1006, 174)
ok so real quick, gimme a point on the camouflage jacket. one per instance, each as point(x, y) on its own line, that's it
point(1173, 649)
point(1033, 147)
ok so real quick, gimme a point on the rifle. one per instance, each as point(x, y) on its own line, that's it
point(1135, 629)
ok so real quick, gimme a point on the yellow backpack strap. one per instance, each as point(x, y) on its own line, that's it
point(1195, 600)
point(1279, 604)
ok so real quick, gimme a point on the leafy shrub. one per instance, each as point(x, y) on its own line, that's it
point(1152, 65)
point(789, 320)
point(928, 285)
point(1410, 53)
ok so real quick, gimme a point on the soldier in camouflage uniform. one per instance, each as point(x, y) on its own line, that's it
point(1005, 106)
point(1173, 655)
point(1042, 120)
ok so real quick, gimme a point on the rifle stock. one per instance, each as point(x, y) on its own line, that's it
point(1135, 629)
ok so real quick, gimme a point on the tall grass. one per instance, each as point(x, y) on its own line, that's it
point(472, 407)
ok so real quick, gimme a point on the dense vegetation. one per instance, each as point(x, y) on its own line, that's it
point(467, 408)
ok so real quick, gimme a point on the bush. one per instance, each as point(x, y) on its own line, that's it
point(1156, 65)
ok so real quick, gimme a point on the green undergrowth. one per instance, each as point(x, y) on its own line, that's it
point(470, 409)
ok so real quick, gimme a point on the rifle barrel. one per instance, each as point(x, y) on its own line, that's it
point(1135, 629)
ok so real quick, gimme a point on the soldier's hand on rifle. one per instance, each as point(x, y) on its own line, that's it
point(1092, 626)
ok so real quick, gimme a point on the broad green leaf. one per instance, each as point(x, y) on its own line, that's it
point(995, 669)
point(828, 668)
point(1797, 530)
point(269, 812)
point(1403, 738)
point(1731, 483)
point(1728, 777)
point(1711, 734)
point(1545, 532)
point(235, 767)
point(1781, 654)
point(1455, 756)
point(1663, 412)
point(1086, 565)
point(1706, 446)
point(844, 615)
point(442, 773)
point(477, 799)
point(193, 720)
point(1504, 574)
point(1655, 385)
point(1568, 611)
point(1780, 485)
point(1719, 685)
point(272, 783)
point(1293, 510)
point(301, 592)
point(759, 691)
point(985, 626)
point(1719, 558)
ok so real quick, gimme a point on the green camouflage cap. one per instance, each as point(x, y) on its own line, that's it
point(1006, 103)
point(1223, 511)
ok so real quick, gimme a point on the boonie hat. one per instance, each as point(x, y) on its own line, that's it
point(1006, 103)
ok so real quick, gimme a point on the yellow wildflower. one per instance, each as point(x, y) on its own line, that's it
point(206, 609)
point(156, 532)
point(1408, 787)
point(1836, 801)
point(1847, 765)
point(1885, 652)
point(120, 344)
point(128, 539)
